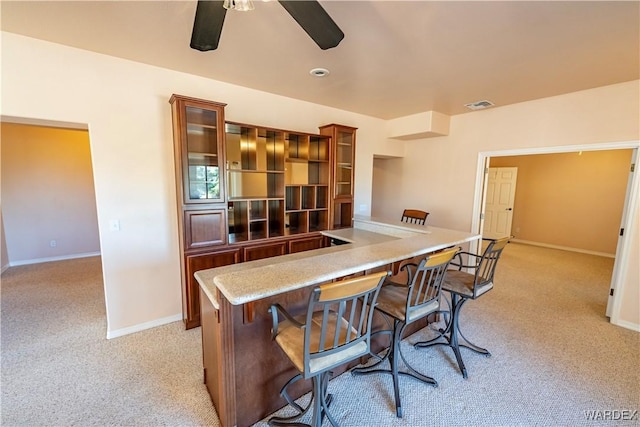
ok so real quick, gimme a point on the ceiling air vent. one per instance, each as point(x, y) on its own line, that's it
point(479, 105)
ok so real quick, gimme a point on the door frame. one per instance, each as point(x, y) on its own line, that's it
point(621, 263)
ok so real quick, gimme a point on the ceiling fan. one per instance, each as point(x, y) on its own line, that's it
point(309, 14)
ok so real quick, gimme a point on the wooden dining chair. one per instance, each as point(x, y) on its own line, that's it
point(414, 216)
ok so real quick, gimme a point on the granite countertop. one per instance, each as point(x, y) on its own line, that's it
point(373, 242)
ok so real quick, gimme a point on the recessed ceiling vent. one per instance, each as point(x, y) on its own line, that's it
point(479, 105)
point(319, 72)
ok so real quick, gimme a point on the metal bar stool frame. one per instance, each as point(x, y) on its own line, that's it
point(462, 287)
point(405, 305)
point(336, 330)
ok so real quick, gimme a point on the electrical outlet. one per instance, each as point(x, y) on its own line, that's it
point(53, 243)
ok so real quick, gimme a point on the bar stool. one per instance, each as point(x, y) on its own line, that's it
point(462, 287)
point(405, 305)
point(336, 330)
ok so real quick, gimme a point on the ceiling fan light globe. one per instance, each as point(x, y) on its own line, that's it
point(239, 5)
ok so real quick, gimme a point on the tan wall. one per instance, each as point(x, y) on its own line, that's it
point(570, 199)
point(48, 193)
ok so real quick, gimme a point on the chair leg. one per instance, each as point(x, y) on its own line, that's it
point(393, 360)
point(394, 354)
point(452, 335)
point(319, 403)
point(326, 399)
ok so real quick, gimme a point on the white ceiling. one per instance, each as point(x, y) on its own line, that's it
point(397, 58)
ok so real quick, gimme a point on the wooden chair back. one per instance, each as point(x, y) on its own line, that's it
point(414, 216)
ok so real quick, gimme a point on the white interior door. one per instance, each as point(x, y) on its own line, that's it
point(630, 199)
point(501, 193)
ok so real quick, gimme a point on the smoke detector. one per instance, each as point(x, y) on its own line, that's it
point(479, 105)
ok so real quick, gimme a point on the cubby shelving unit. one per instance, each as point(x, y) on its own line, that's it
point(307, 183)
point(278, 182)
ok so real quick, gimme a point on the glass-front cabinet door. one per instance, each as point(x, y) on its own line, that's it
point(343, 142)
point(202, 133)
point(344, 162)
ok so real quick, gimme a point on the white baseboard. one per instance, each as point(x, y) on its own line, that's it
point(143, 326)
point(4, 268)
point(563, 248)
point(55, 258)
point(628, 325)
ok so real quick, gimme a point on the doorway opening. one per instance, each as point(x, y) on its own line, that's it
point(624, 242)
point(49, 211)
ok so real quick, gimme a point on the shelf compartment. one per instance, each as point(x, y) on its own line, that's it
point(293, 198)
point(342, 214)
point(275, 185)
point(244, 184)
point(322, 197)
point(276, 215)
point(258, 230)
point(297, 146)
point(274, 149)
point(297, 172)
point(318, 220)
point(202, 139)
point(308, 197)
point(318, 172)
point(258, 210)
point(318, 148)
point(238, 225)
point(296, 222)
point(241, 147)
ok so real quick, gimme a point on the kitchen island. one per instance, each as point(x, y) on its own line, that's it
point(243, 369)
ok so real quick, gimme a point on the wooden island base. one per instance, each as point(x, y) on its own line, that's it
point(244, 381)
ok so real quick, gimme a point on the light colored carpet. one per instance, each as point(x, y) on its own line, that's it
point(58, 369)
point(554, 356)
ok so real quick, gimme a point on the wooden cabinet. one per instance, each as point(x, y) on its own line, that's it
point(264, 250)
point(247, 192)
point(204, 227)
point(307, 243)
point(198, 135)
point(191, 293)
point(342, 177)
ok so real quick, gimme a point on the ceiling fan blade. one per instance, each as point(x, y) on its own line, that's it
point(207, 25)
point(312, 17)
